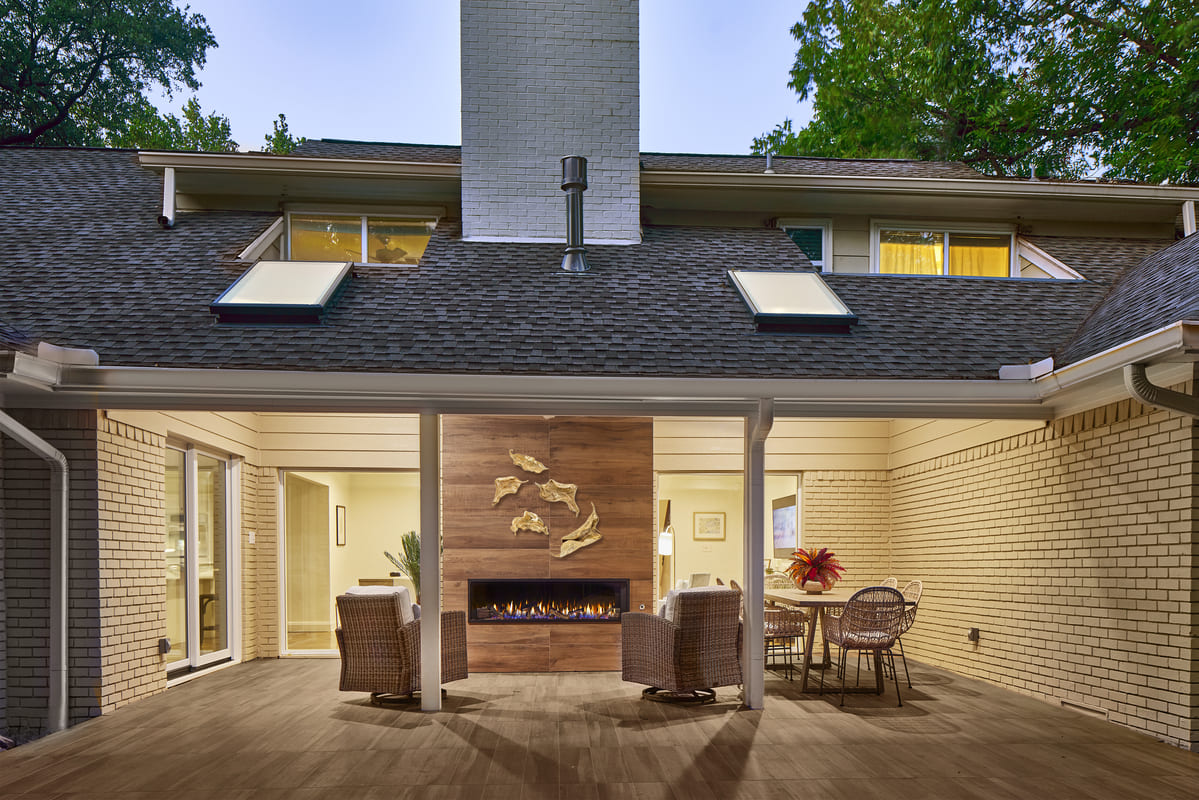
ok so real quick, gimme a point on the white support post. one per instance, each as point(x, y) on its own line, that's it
point(1188, 217)
point(430, 562)
point(753, 658)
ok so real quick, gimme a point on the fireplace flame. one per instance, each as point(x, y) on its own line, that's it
point(549, 611)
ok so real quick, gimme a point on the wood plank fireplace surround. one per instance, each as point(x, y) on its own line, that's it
point(610, 459)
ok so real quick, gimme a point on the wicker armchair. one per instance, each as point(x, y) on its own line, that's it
point(688, 651)
point(870, 621)
point(890, 583)
point(379, 642)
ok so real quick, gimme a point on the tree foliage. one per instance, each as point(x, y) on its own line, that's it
point(73, 72)
point(280, 141)
point(1063, 87)
point(149, 130)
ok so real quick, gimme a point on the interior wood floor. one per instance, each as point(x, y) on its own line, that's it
point(280, 729)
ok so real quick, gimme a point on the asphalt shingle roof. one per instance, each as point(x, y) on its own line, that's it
point(1162, 289)
point(88, 266)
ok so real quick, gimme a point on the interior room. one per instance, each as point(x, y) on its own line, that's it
point(336, 527)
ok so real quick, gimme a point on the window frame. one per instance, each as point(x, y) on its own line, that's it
point(946, 229)
point(825, 225)
point(363, 213)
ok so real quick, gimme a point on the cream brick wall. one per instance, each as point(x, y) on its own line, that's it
point(24, 495)
point(849, 513)
point(1073, 549)
point(266, 595)
point(132, 586)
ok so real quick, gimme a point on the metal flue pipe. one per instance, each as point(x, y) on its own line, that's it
point(574, 183)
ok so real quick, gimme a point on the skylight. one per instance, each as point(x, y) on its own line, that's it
point(792, 302)
point(281, 291)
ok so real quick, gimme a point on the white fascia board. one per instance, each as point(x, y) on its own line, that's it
point(978, 187)
point(139, 387)
point(268, 164)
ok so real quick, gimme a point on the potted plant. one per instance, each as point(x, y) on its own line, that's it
point(815, 570)
point(408, 562)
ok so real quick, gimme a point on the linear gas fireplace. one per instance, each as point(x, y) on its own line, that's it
point(546, 600)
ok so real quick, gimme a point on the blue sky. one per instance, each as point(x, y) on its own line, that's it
point(713, 74)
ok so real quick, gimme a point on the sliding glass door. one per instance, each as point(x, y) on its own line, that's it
point(196, 549)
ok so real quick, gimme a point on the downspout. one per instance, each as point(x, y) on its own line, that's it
point(59, 526)
point(1139, 385)
point(753, 668)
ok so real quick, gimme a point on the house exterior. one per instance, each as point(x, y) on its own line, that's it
point(1009, 416)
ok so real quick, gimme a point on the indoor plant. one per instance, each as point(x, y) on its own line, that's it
point(815, 570)
point(408, 563)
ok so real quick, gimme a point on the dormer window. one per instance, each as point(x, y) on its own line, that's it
point(360, 238)
point(901, 249)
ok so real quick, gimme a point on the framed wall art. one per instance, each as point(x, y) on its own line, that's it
point(708, 526)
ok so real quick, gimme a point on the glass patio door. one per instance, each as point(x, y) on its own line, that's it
point(196, 550)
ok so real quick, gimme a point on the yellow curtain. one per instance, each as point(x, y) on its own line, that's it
point(980, 255)
point(911, 252)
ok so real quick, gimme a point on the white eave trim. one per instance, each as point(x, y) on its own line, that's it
point(294, 165)
point(978, 187)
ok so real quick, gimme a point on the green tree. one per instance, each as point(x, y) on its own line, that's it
point(149, 130)
point(73, 72)
point(1008, 86)
point(280, 142)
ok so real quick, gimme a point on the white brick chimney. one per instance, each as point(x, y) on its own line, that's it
point(542, 80)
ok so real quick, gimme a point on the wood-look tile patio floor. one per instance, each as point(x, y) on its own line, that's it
point(280, 729)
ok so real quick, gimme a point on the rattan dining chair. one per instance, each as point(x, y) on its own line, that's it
point(782, 631)
point(869, 622)
point(911, 594)
point(890, 583)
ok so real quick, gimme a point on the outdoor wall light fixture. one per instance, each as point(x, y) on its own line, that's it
point(972, 635)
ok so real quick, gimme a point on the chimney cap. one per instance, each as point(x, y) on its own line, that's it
point(574, 172)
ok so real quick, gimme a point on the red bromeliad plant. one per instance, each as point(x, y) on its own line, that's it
point(815, 565)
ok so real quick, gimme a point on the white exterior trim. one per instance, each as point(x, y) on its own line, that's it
point(1043, 261)
point(264, 240)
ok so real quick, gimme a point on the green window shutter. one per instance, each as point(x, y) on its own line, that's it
point(810, 240)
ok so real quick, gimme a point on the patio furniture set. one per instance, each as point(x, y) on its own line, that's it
point(682, 653)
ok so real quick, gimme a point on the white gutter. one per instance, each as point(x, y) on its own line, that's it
point(227, 389)
point(1178, 341)
point(59, 527)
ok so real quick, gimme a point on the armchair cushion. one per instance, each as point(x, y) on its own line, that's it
point(408, 609)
